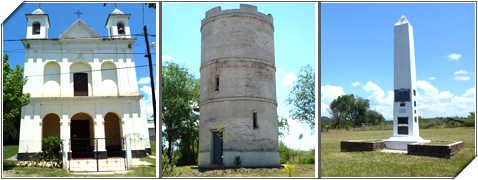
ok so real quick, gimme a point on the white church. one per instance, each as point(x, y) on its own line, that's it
point(83, 88)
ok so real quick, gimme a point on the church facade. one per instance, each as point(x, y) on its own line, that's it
point(83, 89)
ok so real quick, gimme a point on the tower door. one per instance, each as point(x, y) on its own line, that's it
point(216, 148)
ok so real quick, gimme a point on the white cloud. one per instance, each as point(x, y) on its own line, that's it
point(436, 103)
point(378, 100)
point(327, 94)
point(432, 78)
point(289, 79)
point(144, 80)
point(461, 72)
point(453, 57)
point(462, 78)
point(148, 99)
point(291, 139)
point(167, 57)
point(355, 84)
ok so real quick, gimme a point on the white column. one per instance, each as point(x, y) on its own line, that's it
point(66, 88)
point(36, 129)
point(96, 77)
point(100, 128)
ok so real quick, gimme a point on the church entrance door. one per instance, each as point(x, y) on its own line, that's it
point(80, 139)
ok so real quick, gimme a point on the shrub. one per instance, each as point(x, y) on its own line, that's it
point(51, 147)
point(289, 168)
point(307, 160)
point(237, 161)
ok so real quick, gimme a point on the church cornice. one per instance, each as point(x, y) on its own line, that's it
point(28, 42)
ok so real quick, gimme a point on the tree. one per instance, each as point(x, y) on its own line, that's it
point(302, 97)
point(180, 98)
point(348, 110)
point(374, 117)
point(13, 100)
point(283, 125)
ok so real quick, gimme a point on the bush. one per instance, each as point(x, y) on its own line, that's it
point(284, 152)
point(51, 147)
point(307, 160)
point(289, 169)
point(237, 161)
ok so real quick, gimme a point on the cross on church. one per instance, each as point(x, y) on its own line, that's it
point(78, 13)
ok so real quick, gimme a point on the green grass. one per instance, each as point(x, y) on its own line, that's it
point(9, 151)
point(10, 170)
point(377, 164)
point(303, 170)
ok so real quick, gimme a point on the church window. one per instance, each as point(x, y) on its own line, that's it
point(36, 28)
point(80, 84)
point(120, 28)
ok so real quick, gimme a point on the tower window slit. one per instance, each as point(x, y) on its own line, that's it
point(217, 82)
point(254, 119)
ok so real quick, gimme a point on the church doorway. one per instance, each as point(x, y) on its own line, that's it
point(51, 126)
point(82, 134)
point(113, 138)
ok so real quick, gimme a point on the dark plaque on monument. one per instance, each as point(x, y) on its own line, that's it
point(402, 120)
point(403, 130)
point(402, 95)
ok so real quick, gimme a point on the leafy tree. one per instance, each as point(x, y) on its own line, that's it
point(340, 108)
point(283, 125)
point(302, 97)
point(374, 117)
point(13, 100)
point(180, 98)
point(348, 110)
point(470, 120)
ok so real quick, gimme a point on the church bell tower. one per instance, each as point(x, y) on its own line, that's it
point(38, 25)
point(118, 24)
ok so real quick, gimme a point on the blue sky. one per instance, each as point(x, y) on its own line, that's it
point(357, 55)
point(295, 46)
point(94, 14)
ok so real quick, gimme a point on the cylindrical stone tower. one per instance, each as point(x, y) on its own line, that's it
point(238, 107)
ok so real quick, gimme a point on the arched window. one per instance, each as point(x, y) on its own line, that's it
point(36, 28)
point(120, 28)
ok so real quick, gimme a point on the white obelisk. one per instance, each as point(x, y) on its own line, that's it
point(405, 115)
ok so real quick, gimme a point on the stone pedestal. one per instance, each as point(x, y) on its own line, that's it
point(401, 143)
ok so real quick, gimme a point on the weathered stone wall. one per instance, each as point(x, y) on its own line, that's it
point(238, 48)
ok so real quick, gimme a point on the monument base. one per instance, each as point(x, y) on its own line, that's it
point(401, 143)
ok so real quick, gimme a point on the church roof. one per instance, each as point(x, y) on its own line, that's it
point(79, 30)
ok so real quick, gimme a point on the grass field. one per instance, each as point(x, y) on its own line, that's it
point(10, 170)
point(303, 170)
point(377, 164)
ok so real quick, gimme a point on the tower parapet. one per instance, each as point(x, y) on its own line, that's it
point(245, 10)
